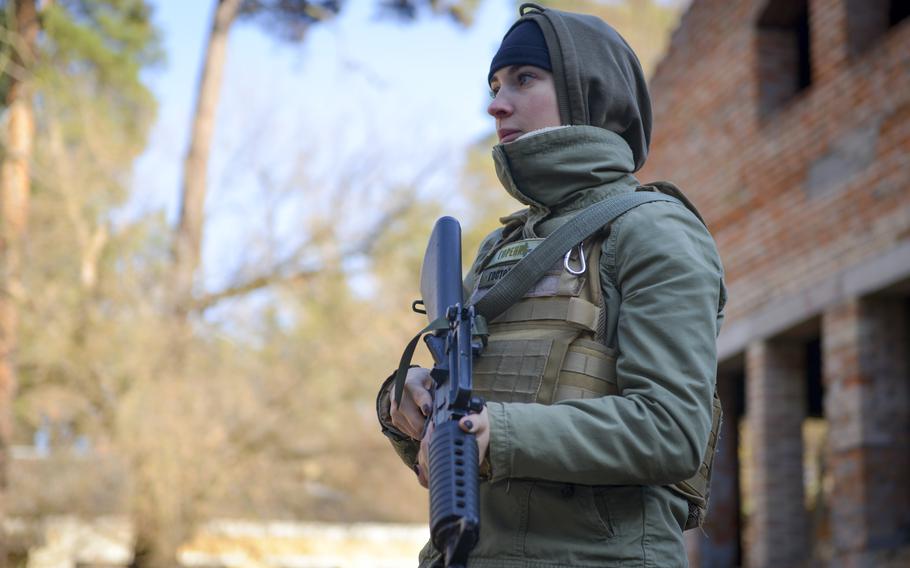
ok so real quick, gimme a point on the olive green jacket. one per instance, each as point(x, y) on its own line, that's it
point(579, 483)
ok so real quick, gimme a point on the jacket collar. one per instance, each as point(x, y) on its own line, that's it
point(561, 170)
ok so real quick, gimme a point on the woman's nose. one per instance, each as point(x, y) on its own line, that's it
point(499, 107)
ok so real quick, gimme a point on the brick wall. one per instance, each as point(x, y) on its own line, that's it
point(778, 527)
point(799, 194)
point(806, 189)
point(865, 346)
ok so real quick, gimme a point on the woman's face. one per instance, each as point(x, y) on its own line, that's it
point(524, 99)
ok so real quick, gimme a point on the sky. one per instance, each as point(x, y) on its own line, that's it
point(358, 94)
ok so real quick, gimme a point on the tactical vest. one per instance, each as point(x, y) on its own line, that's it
point(546, 347)
point(550, 346)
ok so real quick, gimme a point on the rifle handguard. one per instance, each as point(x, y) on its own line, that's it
point(454, 502)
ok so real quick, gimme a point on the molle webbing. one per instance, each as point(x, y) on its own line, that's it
point(572, 310)
point(587, 372)
point(554, 366)
point(542, 348)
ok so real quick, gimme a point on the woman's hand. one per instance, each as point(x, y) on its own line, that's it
point(477, 424)
point(410, 415)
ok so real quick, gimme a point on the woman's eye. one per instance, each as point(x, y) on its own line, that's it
point(523, 78)
point(493, 92)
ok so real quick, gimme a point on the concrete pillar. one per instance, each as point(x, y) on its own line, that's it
point(775, 409)
point(867, 403)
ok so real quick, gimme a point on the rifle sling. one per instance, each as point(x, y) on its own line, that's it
point(532, 267)
point(405, 362)
point(529, 269)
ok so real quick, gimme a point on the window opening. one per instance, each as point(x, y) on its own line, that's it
point(868, 21)
point(784, 52)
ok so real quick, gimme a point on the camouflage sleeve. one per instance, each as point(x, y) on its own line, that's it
point(404, 446)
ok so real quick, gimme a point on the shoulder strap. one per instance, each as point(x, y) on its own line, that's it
point(532, 267)
point(670, 189)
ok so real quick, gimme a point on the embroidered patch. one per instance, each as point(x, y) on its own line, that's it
point(513, 252)
point(490, 277)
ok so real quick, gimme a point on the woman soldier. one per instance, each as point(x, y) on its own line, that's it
point(597, 435)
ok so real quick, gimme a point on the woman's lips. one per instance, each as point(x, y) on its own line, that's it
point(507, 135)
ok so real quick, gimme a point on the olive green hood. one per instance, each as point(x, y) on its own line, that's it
point(559, 171)
point(599, 81)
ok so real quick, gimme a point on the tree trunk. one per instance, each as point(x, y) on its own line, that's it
point(188, 241)
point(157, 538)
point(14, 194)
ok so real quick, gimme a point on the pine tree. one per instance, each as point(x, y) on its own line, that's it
point(76, 116)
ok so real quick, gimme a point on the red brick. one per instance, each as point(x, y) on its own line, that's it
point(792, 204)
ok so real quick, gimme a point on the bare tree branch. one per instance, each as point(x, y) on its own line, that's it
point(283, 273)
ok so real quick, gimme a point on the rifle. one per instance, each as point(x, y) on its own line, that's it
point(454, 481)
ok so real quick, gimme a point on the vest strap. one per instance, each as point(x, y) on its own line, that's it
point(572, 386)
point(573, 310)
point(583, 364)
point(530, 268)
point(551, 376)
point(697, 489)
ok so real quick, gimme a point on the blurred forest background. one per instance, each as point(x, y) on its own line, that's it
point(177, 361)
